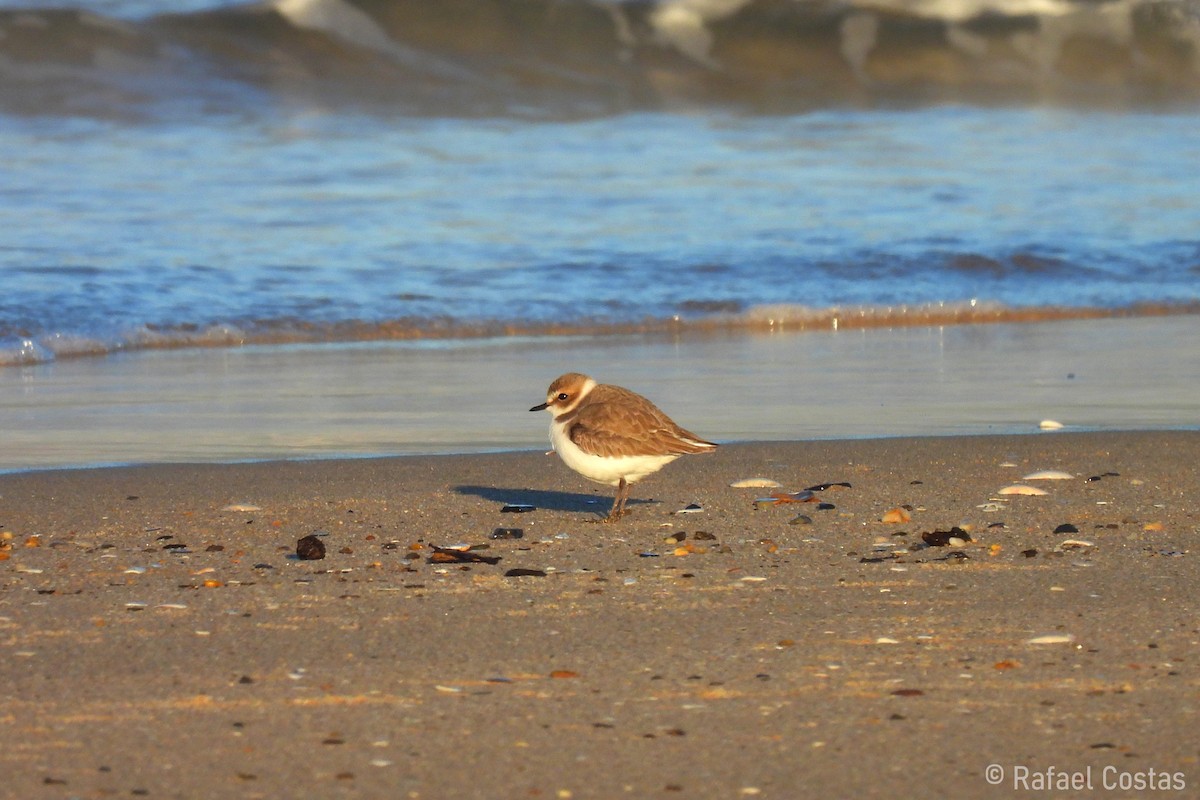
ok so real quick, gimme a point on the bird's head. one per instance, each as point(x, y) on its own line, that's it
point(565, 393)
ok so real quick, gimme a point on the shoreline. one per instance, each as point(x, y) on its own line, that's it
point(760, 320)
point(161, 637)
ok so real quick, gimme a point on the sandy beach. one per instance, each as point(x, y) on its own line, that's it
point(162, 639)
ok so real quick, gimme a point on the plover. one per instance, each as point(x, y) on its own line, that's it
point(611, 435)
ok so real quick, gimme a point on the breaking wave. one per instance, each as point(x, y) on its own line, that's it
point(561, 58)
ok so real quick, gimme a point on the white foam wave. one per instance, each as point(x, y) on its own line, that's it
point(684, 24)
point(350, 24)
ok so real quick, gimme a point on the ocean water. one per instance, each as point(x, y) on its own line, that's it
point(191, 188)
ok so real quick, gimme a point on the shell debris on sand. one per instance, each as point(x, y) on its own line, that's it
point(1022, 489)
point(1049, 475)
point(756, 483)
point(1050, 425)
point(1051, 638)
point(1075, 544)
point(779, 498)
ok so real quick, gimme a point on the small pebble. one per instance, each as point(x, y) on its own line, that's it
point(521, 572)
point(955, 537)
point(310, 548)
point(507, 533)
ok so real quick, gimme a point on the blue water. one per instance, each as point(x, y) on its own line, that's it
point(196, 230)
point(219, 173)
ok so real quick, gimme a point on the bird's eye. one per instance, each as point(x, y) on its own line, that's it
point(564, 396)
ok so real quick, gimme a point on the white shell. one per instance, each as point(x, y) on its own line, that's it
point(1052, 638)
point(241, 507)
point(1049, 475)
point(756, 483)
point(1050, 425)
point(1020, 488)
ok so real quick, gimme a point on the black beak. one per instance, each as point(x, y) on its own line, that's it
point(541, 407)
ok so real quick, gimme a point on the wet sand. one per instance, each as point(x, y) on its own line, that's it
point(160, 638)
point(425, 398)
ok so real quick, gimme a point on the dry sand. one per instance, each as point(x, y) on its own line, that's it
point(158, 642)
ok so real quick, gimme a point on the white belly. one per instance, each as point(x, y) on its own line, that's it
point(604, 470)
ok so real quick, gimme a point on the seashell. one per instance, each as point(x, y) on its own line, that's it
point(898, 514)
point(1077, 543)
point(1050, 425)
point(1049, 475)
point(756, 483)
point(1018, 488)
point(1052, 638)
point(241, 507)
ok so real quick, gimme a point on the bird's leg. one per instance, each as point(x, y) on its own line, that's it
point(618, 506)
